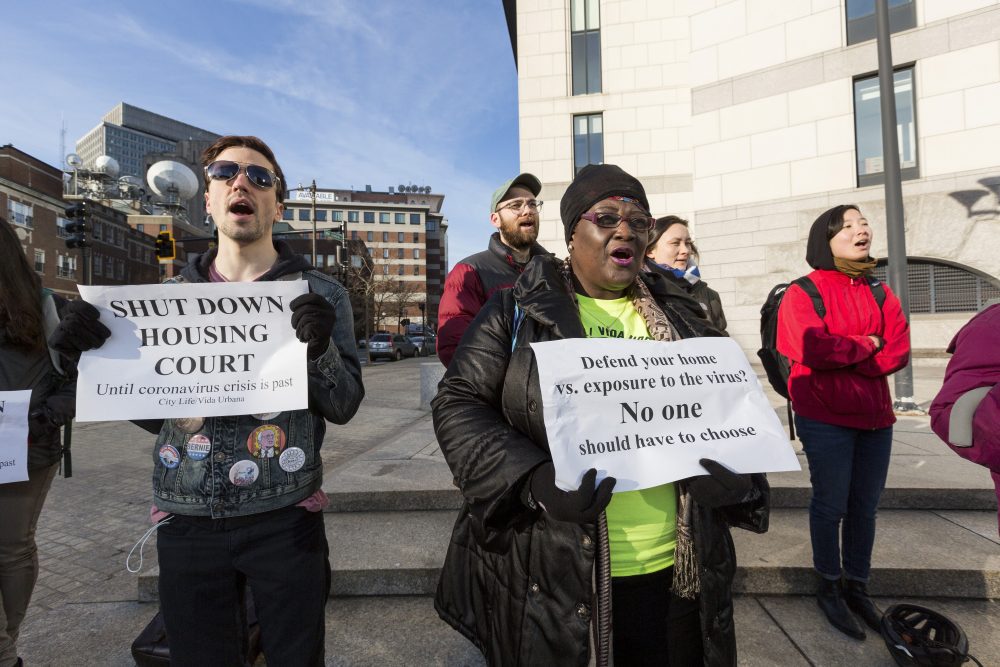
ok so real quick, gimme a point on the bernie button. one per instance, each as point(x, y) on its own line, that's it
point(243, 473)
point(198, 447)
point(266, 441)
point(169, 456)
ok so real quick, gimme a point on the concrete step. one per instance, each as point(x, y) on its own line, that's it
point(917, 553)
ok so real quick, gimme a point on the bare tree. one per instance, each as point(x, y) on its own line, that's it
point(384, 296)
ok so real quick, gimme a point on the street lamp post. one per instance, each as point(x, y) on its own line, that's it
point(312, 196)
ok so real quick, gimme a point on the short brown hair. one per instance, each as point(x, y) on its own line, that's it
point(254, 143)
point(662, 225)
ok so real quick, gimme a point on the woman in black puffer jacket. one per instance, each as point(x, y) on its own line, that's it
point(530, 576)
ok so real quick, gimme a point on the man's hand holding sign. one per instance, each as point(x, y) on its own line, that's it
point(649, 413)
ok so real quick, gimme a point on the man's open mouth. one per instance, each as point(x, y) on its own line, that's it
point(241, 207)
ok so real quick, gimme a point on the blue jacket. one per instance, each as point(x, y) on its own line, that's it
point(200, 485)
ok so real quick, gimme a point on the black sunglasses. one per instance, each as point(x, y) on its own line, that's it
point(227, 170)
point(638, 223)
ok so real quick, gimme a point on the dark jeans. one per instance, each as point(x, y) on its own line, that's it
point(652, 626)
point(847, 468)
point(204, 564)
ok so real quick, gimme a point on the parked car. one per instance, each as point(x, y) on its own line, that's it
point(391, 346)
point(426, 343)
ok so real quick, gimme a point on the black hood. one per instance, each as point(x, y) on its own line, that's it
point(818, 253)
point(288, 262)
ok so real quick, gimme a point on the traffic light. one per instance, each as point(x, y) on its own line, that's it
point(77, 227)
point(165, 248)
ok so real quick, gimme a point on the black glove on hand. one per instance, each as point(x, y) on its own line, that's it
point(720, 487)
point(313, 318)
point(79, 330)
point(580, 506)
point(49, 417)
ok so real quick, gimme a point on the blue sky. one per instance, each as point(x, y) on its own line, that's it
point(347, 92)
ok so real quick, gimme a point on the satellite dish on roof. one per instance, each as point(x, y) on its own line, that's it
point(74, 160)
point(402, 188)
point(106, 164)
point(169, 178)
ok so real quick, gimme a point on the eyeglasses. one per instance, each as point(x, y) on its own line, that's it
point(227, 170)
point(637, 223)
point(516, 205)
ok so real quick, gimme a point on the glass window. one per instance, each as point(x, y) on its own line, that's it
point(352, 216)
point(385, 269)
point(138, 227)
point(414, 218)
point(385, 237)
point(356, 261)
point(416, 237)
point(321, 215)
point(400, 218)
point(861, 18)
point(288, 214)
point(399, 253)
point(385, 253)
point(400, 238)
point(416, 253)
point(40, 261)
point(588, 141)
point(319, 261)
point(304, 214)
point(354, 235)
point(163, 228)
point(416, 270)
point(585, 42)
point(371, 236)
point(20, 214)
point(97, 263)
point(400, 270)
point(868, 127)
point(331, 260)
point(369, 216)
point(338, 216)
point(383, 217)
point(432, 225)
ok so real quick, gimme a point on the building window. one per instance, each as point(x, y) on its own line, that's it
point(354, 235)
point(40, 261)
point(20, 214)
point(321, 215)
point(936, 287)
point(400, 218)
point(585, 37)
point(61, 227)
point(97, 263)
point(163, 228)
point(416, 269)
point(414, 218)
point(400, 270)
point(331, 260)
point(861, 18)
point(338, 216)
point(385, 237)
point(385, 269)
point(399, 253)
point(416, 253)
point(400, 237)
point(303, 214)
point(588, 141)
point(432, 225)
point(66, 267)
point(369, 216)
point(385, 253)
point(352, 216)
point(383, 217)
point(288, 214)
point(319, 261)
point(416, 237)
point(139, 227)
point(356, 261)
point(371, 236)
point(868, 127)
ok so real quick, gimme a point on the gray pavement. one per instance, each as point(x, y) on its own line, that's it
point(85, 610)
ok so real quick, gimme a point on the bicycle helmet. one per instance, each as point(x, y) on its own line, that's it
point(920, 637)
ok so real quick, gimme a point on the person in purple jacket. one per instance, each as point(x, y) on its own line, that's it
point(966, 412)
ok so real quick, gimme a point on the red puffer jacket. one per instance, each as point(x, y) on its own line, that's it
point(837, 376)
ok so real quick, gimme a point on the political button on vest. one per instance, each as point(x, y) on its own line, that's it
point(292, 459)
point(189, 424)
point(243, 473)
point(198, 447)
point(265, 416)
point(169, 456)
point(266, 441)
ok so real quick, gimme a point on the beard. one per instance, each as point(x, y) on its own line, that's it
point(517, 238)
point(245, 233)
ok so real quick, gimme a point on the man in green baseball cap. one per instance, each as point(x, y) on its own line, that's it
point(514, 212)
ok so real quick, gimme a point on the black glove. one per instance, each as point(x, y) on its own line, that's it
point(79, 330)
point(580, 506)
point(45, 419)
point(313, 318)
point(720, 487)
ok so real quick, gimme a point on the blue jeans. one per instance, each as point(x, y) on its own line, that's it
point(847, 469)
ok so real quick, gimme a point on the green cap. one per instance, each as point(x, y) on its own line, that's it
point(527, 180)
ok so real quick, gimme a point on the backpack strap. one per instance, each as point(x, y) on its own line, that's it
point(878, 291)
point(809, 287)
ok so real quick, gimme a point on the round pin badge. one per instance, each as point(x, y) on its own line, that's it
point(189, 424)
point(243, 473)
point(266, 441)
point(198, 447)
point(169, 456)
point(265, 416)
point(292, 459)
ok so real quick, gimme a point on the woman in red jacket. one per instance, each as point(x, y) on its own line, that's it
point(843, 410)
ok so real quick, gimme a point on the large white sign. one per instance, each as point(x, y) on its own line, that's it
point(644, 412)
point(193, 350)
point(14, 435)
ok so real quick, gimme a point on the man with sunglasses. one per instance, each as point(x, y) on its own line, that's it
point(514, 213)
point(238, 518)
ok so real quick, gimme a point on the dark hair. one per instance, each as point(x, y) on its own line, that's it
point(234, 141)
point(836, 222)
point(661, 226)
point(20, 294)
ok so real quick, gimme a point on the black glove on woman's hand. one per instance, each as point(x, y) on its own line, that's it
point(79, 330)
point(720, 487)
point(313, 318)
point(580, 506)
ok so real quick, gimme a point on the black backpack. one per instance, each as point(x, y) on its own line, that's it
point(776, 365)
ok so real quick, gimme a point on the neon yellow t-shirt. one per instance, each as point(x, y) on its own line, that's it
point(642, 525)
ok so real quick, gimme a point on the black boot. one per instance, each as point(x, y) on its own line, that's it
point(856, 596)
point(831, 601)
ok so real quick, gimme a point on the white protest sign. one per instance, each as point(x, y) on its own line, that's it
point(644, 411)
point(193, 350)
point(14, 435)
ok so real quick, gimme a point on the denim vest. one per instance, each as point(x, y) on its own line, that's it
point(201, 486)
